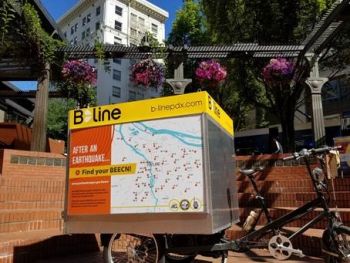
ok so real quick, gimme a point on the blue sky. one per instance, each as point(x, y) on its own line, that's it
point(57, 8)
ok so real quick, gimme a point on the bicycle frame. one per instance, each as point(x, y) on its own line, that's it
point(273, 226)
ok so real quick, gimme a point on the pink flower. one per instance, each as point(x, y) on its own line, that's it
point(210, 71)
point(147, 73)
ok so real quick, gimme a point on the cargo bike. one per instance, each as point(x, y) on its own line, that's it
point(164, 166)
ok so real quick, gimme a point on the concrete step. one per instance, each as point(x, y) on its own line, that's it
point(30, 196)
point(22, 215)
point(290, 186)
point(42, 204)
point(287, 199)
point(35, 224)
point(277, 173)
point(277, 212)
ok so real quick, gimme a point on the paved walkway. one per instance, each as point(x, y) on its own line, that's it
point(254, 256)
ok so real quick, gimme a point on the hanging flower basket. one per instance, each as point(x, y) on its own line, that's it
point(147, 73)
point(79, 78)
point(210, 73)
point(278, 70)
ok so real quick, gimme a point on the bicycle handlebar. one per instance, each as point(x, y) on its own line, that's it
point(306, 153)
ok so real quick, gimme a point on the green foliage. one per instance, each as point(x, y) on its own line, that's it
point(99, 50)
point(189, 26)
point(57, 118)
point(83, 95)
point(22, 35)
point(7, 16)
point(263, 22)
point(44, 44)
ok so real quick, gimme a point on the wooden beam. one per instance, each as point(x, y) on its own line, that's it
point(40, 112)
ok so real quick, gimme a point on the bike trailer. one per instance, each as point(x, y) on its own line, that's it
point(163, 165)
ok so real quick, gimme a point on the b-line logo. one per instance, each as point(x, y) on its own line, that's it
point(212, 105)
point(96, 115)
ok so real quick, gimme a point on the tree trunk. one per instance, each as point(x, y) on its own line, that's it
point(287, 123)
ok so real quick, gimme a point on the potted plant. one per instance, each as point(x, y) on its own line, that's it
point(79, 80)
point(210, 73)
point(147, 72)
point(278, 71)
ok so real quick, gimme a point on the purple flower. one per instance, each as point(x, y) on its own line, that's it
point(277, 70)
point(79, 72)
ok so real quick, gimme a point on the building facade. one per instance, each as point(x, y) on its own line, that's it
point(114, 22)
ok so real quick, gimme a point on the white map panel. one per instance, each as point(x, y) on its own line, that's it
point(169, 166)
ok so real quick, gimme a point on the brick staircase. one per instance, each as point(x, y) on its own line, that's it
point(286, 186)
point(31, 204)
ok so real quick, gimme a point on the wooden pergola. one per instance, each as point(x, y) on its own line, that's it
point(22, 63)
point(311, 48)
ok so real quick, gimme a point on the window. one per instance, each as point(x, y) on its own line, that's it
point(141, 21)
point(133, 18)
point(133, 32)
point(132, 95)
point(75, 40)
point(88, 18)
point(118, 10)
point(88, 32)
point(98, 11)
point(65, 34)
point(117, 74)
point(116, 91)
point(118, 26)
point(117, 61)
point(84, 21)
point(83, 35)
point(117, 40)
point(154, 29)
point(97, 26)
point(74, 29)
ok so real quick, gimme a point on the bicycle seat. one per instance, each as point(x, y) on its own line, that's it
point(247, 171)
point(251, 171)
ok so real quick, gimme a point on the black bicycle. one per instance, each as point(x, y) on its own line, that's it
point(274, 235)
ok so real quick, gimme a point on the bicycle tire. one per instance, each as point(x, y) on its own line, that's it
point(336, 244)
point(178, 258)
point(131, 248)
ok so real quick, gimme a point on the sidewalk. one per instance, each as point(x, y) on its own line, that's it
point(253, 256)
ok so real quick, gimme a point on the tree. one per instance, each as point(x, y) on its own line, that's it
point(190, 28)
point(57, 118)
point(264, 22)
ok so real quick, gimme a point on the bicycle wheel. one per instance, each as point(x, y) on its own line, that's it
point(132, 248)
point(337, 245)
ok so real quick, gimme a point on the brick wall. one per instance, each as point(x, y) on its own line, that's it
point(34, 164)
point(32, 189)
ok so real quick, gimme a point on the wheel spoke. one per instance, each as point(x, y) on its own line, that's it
point(132, 249)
